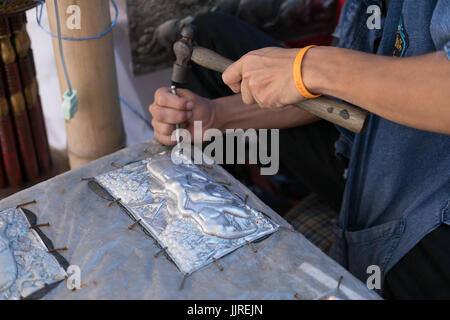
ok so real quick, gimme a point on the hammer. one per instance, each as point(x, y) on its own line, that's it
point(340, 113)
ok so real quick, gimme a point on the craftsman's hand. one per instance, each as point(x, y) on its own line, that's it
point(265, 77)
point(169, 110)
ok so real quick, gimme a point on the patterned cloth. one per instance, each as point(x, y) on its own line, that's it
point(314, 218)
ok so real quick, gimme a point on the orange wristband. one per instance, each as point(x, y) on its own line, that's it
point(297, 72)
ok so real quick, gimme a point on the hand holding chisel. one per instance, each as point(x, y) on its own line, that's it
point(173, 89)
point(180, 73)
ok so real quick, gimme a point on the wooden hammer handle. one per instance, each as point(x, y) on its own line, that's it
point(210, 59)
point(337, 112)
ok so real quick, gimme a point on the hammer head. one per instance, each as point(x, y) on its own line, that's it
point(183, 51)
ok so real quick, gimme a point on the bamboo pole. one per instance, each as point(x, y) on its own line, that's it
point(97, 128)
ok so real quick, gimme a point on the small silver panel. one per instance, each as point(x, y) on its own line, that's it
point(195, 217)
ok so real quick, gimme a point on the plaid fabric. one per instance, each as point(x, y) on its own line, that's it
point(315, 219)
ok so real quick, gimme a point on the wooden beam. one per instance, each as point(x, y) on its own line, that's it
point(97, 128)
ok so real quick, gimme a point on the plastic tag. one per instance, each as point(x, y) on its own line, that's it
point(70, 105)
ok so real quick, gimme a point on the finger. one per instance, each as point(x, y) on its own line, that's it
point(165, 140)
point(165, 98)
point(187, 94)
point(246, 93)
point(163, 128)
point(184, 125)
point(233, 76)
point(168, 115)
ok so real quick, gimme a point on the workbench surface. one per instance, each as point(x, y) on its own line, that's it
point(117, 263)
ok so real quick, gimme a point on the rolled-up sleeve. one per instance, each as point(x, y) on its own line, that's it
point(440, 26)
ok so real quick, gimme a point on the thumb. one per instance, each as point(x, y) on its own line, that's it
point(233, 76)
point(188, 94)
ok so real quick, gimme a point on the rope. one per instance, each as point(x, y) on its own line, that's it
point(133, 110)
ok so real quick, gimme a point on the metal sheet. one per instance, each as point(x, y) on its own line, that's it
point(192, 215)
point(25, 264)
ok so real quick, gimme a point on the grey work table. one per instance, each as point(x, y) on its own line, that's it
point(117, 263)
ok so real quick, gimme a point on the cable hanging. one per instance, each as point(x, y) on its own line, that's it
point(60, 47)
point(70, 104)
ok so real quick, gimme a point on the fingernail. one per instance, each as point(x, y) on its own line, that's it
point(190, 105)
point(189, 114)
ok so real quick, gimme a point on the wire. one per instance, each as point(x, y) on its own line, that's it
point(60, 47)
point(63, 62)
point(140, 116)
point(40, 9)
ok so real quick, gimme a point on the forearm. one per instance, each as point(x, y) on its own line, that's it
point(232, 113)
point(410, 91)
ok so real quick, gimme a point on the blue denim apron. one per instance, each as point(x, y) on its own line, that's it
point(398, 187)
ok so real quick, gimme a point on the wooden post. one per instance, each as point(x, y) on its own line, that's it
point(97, 128)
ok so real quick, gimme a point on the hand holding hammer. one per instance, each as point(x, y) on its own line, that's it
point(337, 112)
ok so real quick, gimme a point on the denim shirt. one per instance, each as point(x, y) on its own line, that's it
point(398, 182)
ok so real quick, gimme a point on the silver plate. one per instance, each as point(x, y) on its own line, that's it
point(196, 218)
point(25, 264)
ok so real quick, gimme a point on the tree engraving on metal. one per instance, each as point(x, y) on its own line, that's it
point(25, 264)
point(196, 218)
